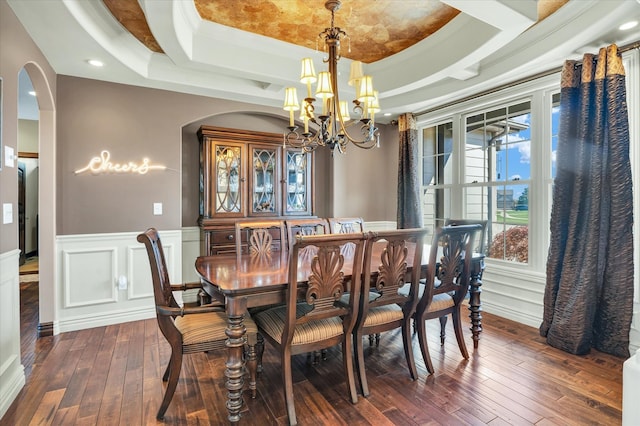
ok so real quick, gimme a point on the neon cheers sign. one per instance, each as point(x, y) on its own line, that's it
point(103, 164)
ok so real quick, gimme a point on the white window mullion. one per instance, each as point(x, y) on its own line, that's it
point(540, 168)
point(457, 192)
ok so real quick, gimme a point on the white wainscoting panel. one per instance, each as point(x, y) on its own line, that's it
point(518, 294)
point(140, 285)
point(513, 293)
point(89, 276)
point(190, 251)
point(380, 225)
point(91, 266)
point(12, 378)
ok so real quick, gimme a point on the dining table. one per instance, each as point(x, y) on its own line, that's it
point(243, 281)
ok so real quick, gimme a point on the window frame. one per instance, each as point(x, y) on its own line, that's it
point(539, 93)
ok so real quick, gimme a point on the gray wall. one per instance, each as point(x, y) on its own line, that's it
point(365, 182)
point(133, 123)
point(16, 50)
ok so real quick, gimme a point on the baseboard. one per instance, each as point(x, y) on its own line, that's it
point(45, 329)
point(504, 312)
point(104, 319)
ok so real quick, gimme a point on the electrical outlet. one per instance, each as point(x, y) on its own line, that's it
point(122, 282)
point(157, 209)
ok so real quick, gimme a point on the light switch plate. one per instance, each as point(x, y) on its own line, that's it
point(7, 213)
point(8, 156)
point(157, 209)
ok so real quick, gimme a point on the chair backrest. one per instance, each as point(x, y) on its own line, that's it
point(391, 263)
point(159, 274)
point(260, 239)
point(450, 273)
point(326, 281)
point(480, 238)
point(318, 226)
point(346, 225)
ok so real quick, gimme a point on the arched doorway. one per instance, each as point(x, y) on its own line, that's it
point(28, 141)
point(46, 197)
point(28, 147)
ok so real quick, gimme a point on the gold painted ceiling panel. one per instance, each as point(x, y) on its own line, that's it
point(376, 29)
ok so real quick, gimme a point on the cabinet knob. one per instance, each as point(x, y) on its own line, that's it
point(242, 179)
point(230, 237)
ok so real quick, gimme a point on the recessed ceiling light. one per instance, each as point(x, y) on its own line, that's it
point(628, 25)
point(387, 114)
point(95, 62)
point(32, 93)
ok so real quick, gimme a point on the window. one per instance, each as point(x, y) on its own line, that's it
point(495, 161)
point(437, 172)
point(497, 172)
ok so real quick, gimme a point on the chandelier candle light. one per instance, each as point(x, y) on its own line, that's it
point(333, 123)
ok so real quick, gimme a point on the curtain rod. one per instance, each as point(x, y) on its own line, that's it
point(621, 49)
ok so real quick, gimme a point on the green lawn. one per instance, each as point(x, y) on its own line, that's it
point(513, 217)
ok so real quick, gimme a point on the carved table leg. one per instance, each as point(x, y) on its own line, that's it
point(475, 305)
point(235, 364)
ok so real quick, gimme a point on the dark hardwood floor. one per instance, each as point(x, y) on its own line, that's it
point(112, 376)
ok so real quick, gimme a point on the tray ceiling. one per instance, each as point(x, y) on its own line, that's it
point(421, 53)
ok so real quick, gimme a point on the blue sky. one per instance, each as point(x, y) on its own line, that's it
point(513, 162)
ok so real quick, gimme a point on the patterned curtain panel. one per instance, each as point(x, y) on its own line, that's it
point(588, 298)
point(409, 211)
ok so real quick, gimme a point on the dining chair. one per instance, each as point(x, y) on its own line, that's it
point(479, 248)
point(260, 237)
point(345, 225)
point(480, 242)
point(193, 329)
point(389, 309)
point(447, 283)
point(312, 319)
point(307, 226)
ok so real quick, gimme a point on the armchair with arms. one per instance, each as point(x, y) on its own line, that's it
point(189, 330)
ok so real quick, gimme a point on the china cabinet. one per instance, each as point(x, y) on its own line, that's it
point(248, 175)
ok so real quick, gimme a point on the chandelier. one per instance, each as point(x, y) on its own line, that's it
point(334, 121)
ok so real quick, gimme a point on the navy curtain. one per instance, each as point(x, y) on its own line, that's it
point(588, 299)
point(409, 208)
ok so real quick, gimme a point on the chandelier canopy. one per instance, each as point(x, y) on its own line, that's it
point(334, 120)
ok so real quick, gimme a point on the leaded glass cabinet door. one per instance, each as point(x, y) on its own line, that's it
point(229, 180)
point(297, 182)
point(263, 186)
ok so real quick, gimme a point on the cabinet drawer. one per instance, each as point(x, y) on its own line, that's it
point(223, 241)
point(221, 249)
point(227, 236)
